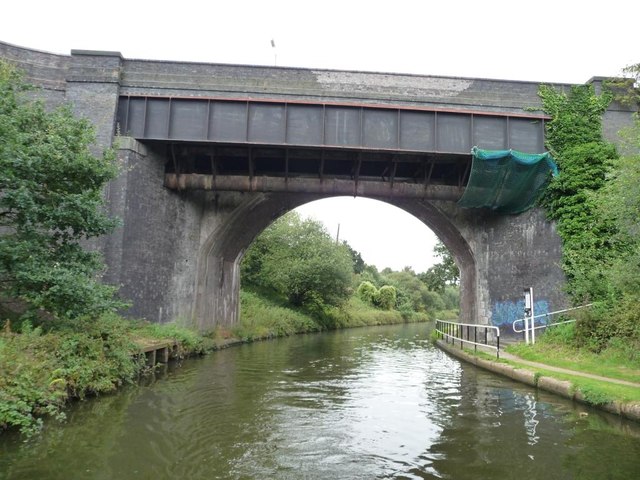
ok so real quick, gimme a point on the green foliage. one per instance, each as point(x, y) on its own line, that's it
point(442, 274)
point(433, 301)
point(298, 259)
point(50, 200)
point(626, 88)
point(41, 370)
point(386, 298)
point(574, 137)
point(619, 201)
point(367, 292)
point(597, 329)
point(564, 334)
point(189, 342)
point(358, 261)
point(576, 117)
point(264, 316)
point(410, 291)
point(451, 298)
point(595, 395)
point(371, 274)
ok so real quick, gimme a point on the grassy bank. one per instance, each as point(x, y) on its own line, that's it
point(265, 315)
point(41, 370)
point(557, 347)
point(606, 395)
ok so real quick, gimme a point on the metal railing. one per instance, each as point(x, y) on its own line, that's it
point(476, 335)
point(548, 317)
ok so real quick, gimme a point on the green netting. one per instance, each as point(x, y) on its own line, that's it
point(506, 181)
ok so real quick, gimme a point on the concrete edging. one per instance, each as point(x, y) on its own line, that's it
point(562, 388)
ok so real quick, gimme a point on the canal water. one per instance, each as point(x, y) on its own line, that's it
point(370, 403)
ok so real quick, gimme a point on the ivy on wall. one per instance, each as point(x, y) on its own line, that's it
point(574, 138)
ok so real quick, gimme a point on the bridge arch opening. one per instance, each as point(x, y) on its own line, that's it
point(217, 290)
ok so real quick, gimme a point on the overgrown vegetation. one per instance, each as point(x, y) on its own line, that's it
point(557, 348)
point(42, 368)
point(51, 200)
point(595, 201)
point(297, 278)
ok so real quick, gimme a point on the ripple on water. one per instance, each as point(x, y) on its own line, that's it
point(364, 404)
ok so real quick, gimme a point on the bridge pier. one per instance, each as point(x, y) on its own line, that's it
point(177, 255)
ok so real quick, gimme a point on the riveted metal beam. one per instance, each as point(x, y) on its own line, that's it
point(397, 128)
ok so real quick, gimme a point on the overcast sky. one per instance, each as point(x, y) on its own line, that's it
point(542, 40)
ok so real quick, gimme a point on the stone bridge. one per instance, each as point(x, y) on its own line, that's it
point(211, 154)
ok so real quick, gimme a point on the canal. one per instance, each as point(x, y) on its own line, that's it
point(355, 404)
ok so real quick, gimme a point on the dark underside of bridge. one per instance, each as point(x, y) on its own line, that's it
point(275, 168)
point(331, 149)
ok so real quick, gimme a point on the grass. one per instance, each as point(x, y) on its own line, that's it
point(617, 361)
point(42, 368)
point(264, 315)
point(595, 392)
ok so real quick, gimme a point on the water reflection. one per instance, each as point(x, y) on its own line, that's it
point(359, 404)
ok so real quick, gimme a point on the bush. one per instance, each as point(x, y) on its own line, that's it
point(41, 370)
point(367, 292)
point(564, 334)
point(264, 317)
point(598, 327)
point(386, 298)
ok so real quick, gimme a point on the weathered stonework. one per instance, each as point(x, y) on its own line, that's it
point(177, 254)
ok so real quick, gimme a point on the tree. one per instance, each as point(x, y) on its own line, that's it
point(386, 297)
point(298, 259)
point(626, 89)
point(358, 261)
point(50, 201)
point(619, 201)
point(442, 274)
point(367, 292)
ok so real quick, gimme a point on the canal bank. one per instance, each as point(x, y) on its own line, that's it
point(536, 375)
point(357, 404)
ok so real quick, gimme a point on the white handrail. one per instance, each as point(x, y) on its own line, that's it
point(513, 325)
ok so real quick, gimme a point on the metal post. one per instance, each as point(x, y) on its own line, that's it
point(475, 339)
point(533, 320)
point(528, 301)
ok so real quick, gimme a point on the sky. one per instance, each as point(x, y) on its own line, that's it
point(548, 41)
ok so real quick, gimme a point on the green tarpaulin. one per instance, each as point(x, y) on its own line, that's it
point(506, 181)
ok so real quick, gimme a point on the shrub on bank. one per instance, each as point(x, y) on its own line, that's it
point(40, 371)
point(262, 316)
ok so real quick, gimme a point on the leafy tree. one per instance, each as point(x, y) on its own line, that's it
point(367, 292)
point(386, 297)
point(595, 203)
point(411, 292)
point(626, 89)
point(619, 201)
point(451, 297)
point(443, 273)
point(50, 201)
point(358, 261)
point(298, 259)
